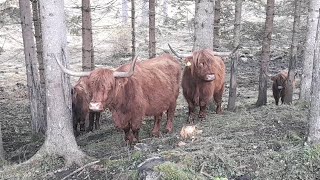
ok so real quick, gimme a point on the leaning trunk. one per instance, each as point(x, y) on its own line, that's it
point(37, 33)
point(293, 55)
point(265, 57)
point(36, 107)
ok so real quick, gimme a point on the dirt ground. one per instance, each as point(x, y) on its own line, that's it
point(252, 143)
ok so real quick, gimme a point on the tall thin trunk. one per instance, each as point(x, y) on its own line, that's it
point(87, 44)
point(265, 57)
point(145, 12)
point(217, 17)
point(152, 29)
point(60, 139)
point(133, 32)
point(2, 156)
point(31, 67)
point(234, 61)
point(124, 11)
point(165, 11)
point(42, 125)
point(293, 54)
point(309, 51)
point(203, 24)
point(314, 110)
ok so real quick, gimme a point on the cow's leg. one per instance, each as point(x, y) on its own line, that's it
point(97, 120)
point(91, 121)
point(203, 111)
point(218, 99)
point(135, 127)
point(191, 114)
point(170, 117)
point(157, 125)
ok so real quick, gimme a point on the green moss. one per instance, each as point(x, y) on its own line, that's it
point(171, 171)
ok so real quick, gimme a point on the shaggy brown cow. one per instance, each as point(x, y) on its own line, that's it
point(152, 89)
point(203, 79)
point(279, 85)
point(80, 107)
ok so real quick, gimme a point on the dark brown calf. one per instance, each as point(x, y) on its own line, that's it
point(279, 86)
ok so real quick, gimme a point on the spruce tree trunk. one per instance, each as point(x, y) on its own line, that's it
point(152, 29)
point(203, 24)
point(234, 61)
point(2, 156)
point(133, 26)
point(293, 54)
point(314, 110)
point(265, 57)
point(33, 82)
point(87, 44)
point(309, 51)
point(216, 29)
point(60, 139)
point(37, 33)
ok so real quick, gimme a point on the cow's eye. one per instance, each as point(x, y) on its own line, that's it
point(202, 64)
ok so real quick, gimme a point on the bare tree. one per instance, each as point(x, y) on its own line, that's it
point(293, 54)
point(233, 74)
point(39, 45)
point(152, 29)
point(33, 81)
point(124, 12)
point(2, 157)
point(87, 44)
point(216, 28)
point(314, 110)
point(309, 50)
point(133, 32)
point(203, 24)
point(59, 140)
point(265, 56)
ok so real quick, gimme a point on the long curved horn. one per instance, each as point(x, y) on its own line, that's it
point(175, 53)
point(71, 73)
point(118, 74)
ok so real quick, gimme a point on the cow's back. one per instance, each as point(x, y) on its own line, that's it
point(156, 83)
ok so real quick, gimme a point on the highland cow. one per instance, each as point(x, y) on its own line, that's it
point(279, 86)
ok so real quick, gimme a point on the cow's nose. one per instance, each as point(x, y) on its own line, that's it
point(210, 77)
point(97, 107)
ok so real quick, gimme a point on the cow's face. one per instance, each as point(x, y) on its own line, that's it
point(202, 66)
point(101, 86)
point(279, 81)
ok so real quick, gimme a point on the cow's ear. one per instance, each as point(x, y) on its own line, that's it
point(273, 78)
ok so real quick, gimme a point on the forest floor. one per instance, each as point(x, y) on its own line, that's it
point(252, 143)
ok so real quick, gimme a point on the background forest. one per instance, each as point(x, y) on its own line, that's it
point(266, 142)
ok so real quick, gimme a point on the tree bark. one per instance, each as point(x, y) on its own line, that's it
point(60, 139)
point(133, 26)
point(33, 82)
point(314, 110)
point(234, 61)
point(152, 29)
point(203, 24)
point(265, 57)
point(2, 157)
point(309, 51)
point(216, 28)
point(87, 44)
point(37, 34)
point(293, 54)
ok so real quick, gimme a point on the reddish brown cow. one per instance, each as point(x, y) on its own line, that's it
point(279, 86)
point(152, 89)
point(80, 107)
point(203, 79)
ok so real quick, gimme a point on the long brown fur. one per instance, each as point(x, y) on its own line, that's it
point(196, 89)
point(81, 114)
point(150, 91)
point(279, 85)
